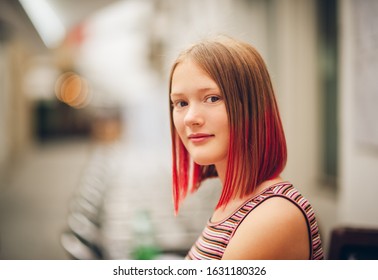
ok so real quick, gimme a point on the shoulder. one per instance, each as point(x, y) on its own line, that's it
point(275, 229)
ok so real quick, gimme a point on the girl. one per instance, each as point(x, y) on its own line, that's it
point(225, 123)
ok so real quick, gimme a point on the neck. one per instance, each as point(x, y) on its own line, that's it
point(221, 170)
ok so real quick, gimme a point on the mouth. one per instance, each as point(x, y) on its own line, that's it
point(199, 137)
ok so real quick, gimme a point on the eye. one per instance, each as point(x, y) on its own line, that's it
point(180, 103)
point(213, 99)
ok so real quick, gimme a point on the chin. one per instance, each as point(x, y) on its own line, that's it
point(204, 160)
point(206, 156)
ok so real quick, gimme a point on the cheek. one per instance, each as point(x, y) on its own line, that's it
point(178, 123)
point(223, 121)
point(225, 128)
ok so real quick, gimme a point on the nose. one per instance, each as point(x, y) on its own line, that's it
point(194, 116)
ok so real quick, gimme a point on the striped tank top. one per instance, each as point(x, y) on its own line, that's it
point(214, 239)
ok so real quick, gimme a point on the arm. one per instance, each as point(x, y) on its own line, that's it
point(276, 229)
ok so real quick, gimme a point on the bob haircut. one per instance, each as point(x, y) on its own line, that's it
point(257, 147)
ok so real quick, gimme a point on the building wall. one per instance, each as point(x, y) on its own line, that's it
point(359, 159)
point(296, 79)
point(4, 140)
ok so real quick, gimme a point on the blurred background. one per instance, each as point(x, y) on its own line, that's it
point(84, 127)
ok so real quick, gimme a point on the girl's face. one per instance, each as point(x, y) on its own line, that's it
point(199, 114)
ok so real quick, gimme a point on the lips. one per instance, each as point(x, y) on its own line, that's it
point(200, 137)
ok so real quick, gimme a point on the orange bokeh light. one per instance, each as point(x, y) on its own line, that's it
point(73, 90)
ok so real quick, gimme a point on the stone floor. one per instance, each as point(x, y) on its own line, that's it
point(33, 200)
point(37, 194)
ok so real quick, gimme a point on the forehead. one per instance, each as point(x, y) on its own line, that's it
point(188, 75)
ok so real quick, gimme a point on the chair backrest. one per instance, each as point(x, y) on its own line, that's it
point(353, 244)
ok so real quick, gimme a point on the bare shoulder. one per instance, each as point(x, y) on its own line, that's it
point(276, 229)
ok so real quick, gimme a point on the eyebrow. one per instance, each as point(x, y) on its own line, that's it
point(200, 90)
